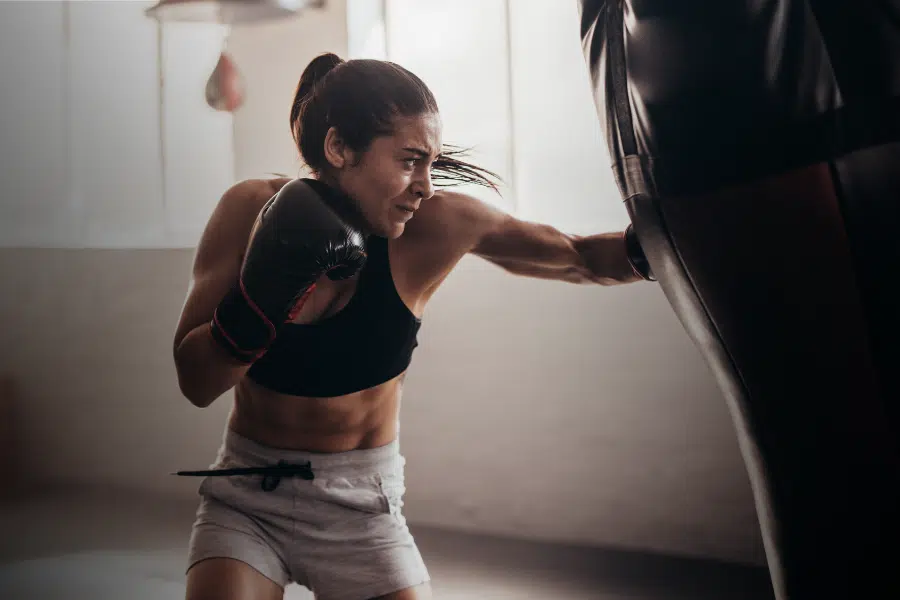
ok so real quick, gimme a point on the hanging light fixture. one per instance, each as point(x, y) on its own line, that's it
point(231, 12)
point(225, 87)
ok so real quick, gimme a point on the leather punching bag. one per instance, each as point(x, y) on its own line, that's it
point(225, 86)
point(757, 148)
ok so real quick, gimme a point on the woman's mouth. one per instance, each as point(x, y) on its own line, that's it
point(406, 213)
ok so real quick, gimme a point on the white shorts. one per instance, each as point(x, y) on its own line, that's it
point(341, 533)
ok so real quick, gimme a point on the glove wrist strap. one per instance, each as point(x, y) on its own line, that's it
point(240, 327)
point(636, 257)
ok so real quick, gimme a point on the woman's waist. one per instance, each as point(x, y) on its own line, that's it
point(242, 457)
point(361, 420)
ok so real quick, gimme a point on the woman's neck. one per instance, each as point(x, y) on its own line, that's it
point(344, 205)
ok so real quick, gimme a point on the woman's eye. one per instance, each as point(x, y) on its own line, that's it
point(410, 163)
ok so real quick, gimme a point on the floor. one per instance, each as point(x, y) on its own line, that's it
point(75, 543)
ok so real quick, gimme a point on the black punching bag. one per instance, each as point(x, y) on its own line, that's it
point(757, 148)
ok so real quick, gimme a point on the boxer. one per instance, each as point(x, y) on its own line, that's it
point(306, 299)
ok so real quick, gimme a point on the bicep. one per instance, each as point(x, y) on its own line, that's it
point(452, 225)
point(206, 289)
point(217, 261)
point(506, 239)
point(476, 227)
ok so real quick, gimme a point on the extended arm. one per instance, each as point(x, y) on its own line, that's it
point(541, 251)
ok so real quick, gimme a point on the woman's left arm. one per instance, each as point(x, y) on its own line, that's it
point(538, 250)
point(597, 259)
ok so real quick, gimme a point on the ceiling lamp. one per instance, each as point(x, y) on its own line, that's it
point(230, 12)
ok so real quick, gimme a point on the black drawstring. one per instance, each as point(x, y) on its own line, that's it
point(271, 475)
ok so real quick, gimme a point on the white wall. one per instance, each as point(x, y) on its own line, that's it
point(533, 408)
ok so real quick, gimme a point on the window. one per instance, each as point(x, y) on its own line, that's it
point(459, 49)
point(511, 81)
point(108, 137)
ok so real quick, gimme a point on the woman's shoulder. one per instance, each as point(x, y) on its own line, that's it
point(453, 214)
point(446, 226)
point(238, 208)
point(440, 212)
point(249, 195)
point(259, 187)
point(443, 230)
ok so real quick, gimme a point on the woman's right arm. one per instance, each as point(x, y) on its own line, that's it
point(205, 370)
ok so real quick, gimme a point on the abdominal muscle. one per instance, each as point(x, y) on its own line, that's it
point(361, 420)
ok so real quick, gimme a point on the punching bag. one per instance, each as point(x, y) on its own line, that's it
point(225, 87)
point(756, 146)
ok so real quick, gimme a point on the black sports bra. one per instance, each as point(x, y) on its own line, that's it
point(370, 341)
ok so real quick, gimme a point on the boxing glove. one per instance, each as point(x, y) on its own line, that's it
point(636, 257)
point(299, 236)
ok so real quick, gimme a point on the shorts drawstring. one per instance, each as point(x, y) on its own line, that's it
point(271, 475)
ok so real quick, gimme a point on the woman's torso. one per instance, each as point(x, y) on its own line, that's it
point(397, 281)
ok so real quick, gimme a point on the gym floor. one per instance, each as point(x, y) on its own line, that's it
point(67, 543)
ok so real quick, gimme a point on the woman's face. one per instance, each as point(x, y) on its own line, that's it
point(393, 176)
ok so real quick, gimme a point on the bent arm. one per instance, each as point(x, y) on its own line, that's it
point(205, 370)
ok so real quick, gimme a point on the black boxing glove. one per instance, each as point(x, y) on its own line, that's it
point(298, 237)
point(636, 257)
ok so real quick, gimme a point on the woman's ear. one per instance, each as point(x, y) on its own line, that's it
point(336, 152)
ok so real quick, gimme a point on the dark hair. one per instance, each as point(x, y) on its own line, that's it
point(361, 98)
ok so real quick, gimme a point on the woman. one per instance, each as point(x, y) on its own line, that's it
point(306, 298)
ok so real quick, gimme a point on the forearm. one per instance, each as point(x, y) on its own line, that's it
point(542, 251)
point(550, 254)
point(605, 257)
point(545, 252)
point(527, 245)
point(205, 370)
point(571, 274)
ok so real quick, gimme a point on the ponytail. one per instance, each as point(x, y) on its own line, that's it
point(314, 72)
point(449, 170)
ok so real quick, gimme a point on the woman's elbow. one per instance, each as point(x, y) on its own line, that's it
point(195, 396)
point(190, 385)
